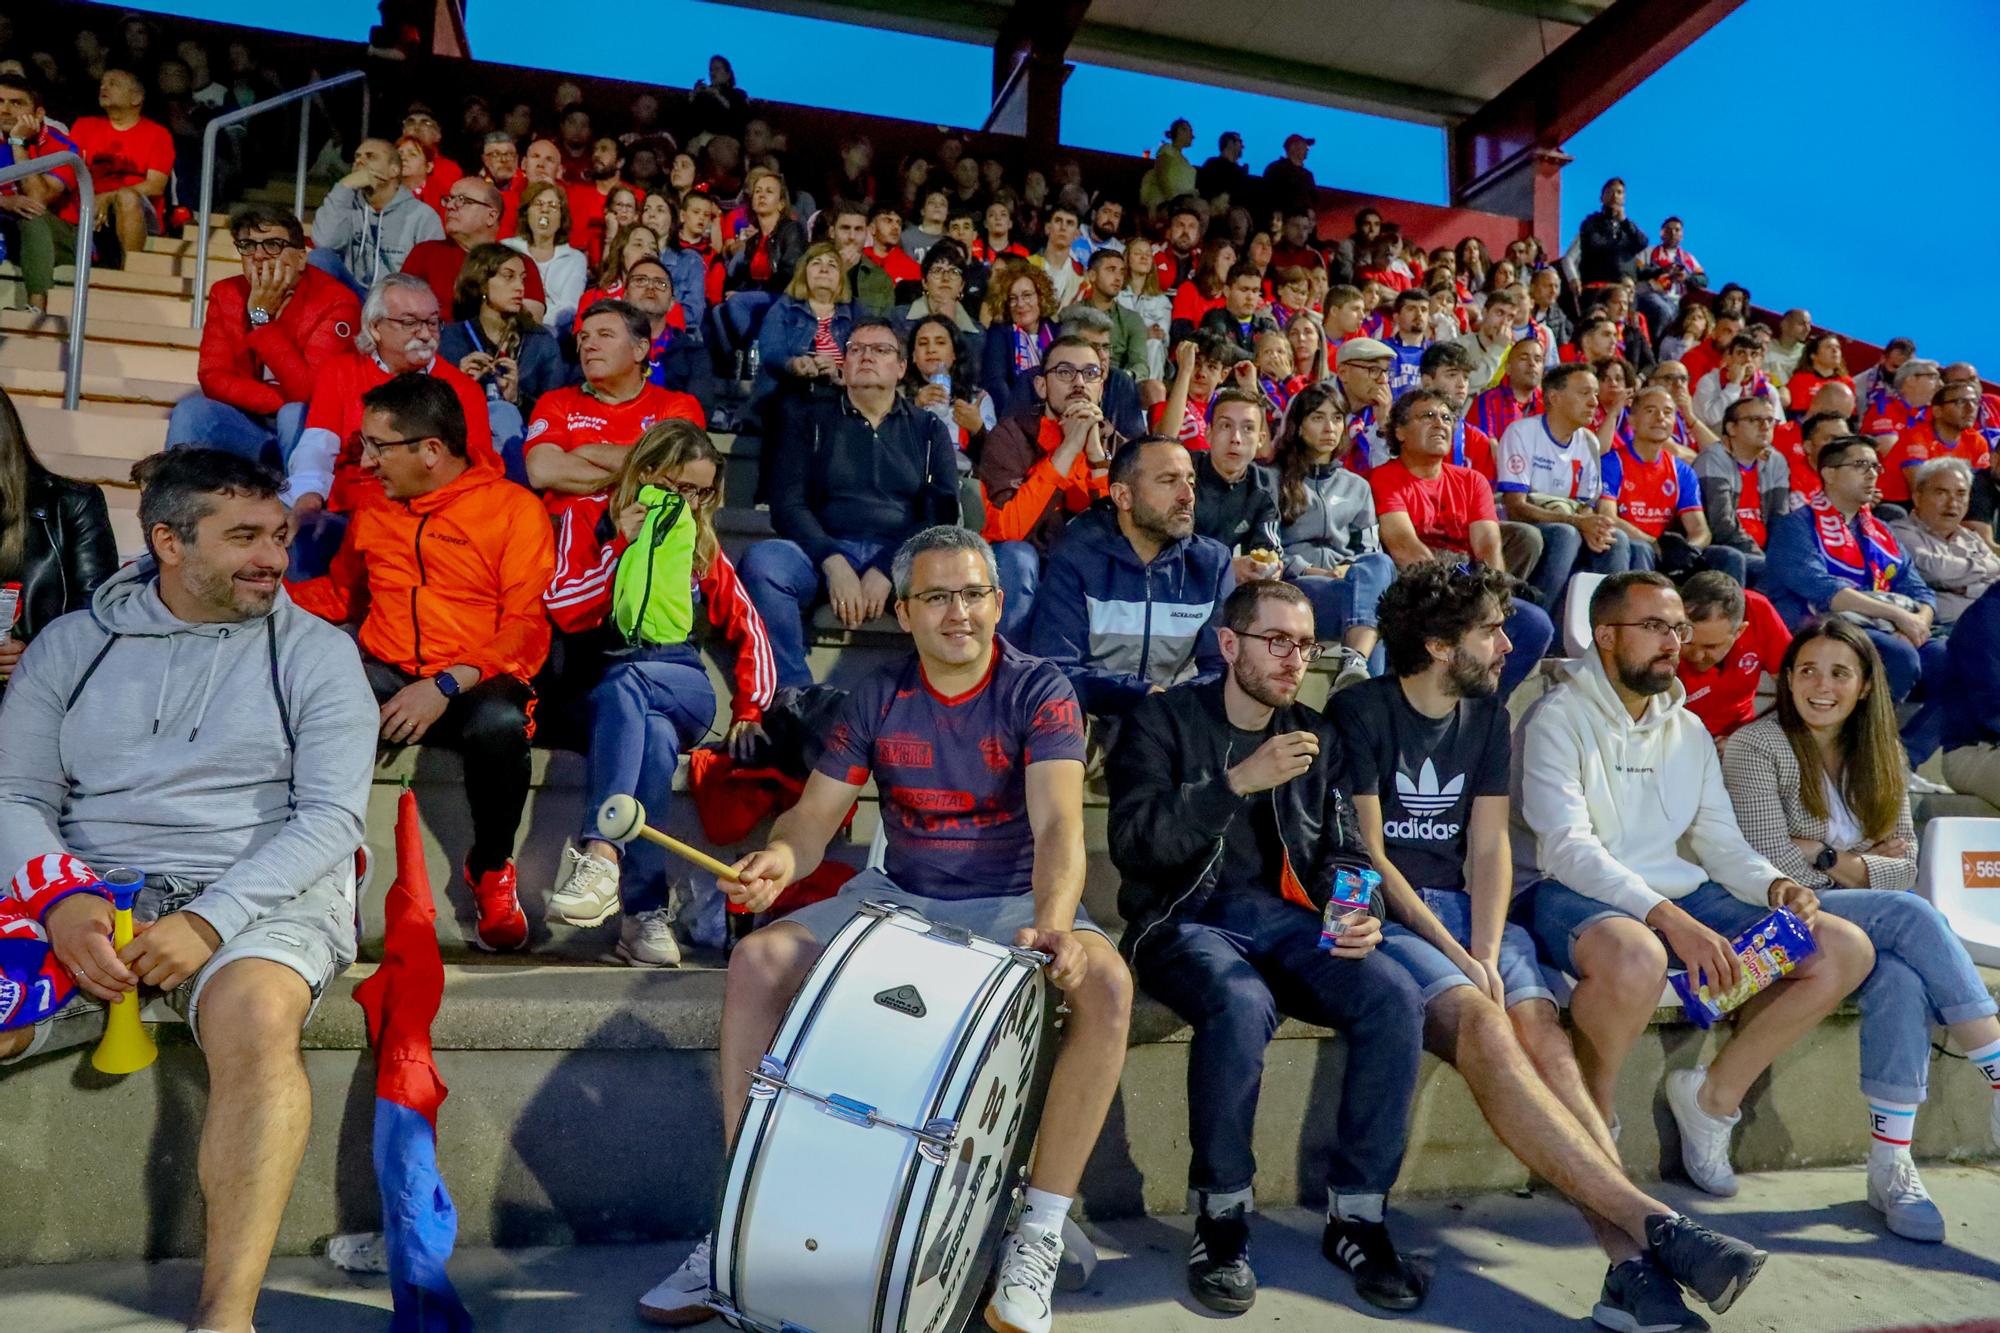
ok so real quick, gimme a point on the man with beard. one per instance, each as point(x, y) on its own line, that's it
point(1131, 601)
point(1106, 216)
point(1174, 261)
point(1227, 824)
point(1629, 844)
point(1427, 762)
point(241, 790)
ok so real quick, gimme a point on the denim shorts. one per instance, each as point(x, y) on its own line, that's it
point(1435, 974)
point(1560, 915)
point(993, 918)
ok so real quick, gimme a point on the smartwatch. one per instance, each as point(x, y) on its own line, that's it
point(447, 684)
point(1824, 862)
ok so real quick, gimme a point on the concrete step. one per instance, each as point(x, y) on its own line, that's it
point(142, 280)
point(181, 263)
point(129, 306)
point(97, 388)
point(177, 365)
point(90, 432)
point(99, 327)
point(221, 245)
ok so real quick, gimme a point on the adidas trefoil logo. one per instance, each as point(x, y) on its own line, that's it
point(1425, 797)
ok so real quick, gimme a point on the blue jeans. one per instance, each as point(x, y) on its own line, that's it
point(1340, 604)
point(200, 421)
point(1907, 669)
point(733, 325)
point(1922, 976)
point(1019, 567)
point(1678, 558)
point(508, 431)
point(650, 706)
point(1229, 973)
point(784, 584)
point(329, 262)
point(314, 544)
point(1531, 632)
point(1564, 554)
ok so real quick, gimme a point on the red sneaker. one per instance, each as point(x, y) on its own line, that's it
point(502, 923)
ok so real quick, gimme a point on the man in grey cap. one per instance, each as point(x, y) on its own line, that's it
point(1361, 380)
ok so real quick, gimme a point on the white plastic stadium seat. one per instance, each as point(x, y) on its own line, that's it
point(1576, 613)
point(1958, 870)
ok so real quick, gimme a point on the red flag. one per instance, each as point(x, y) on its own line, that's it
point(402, 997)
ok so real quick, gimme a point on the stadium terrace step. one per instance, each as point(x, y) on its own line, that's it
point(125, 360)
point(181, 263)
point(221, 245)
point(99, 328)
point(132, 307)
point(91, 433)
point(97, 388)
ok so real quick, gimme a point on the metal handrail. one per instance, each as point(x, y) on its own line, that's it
point(208, 140)
point(86, 213)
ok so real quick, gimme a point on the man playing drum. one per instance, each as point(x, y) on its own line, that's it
point(977, 751)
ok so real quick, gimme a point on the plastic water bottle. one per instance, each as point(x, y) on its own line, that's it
point(752, 361)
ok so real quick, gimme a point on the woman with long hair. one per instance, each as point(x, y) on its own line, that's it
point(618, 580)
point(939, 380)
point(621, 214)
point(1203, 291)
point(1307, 335)
point(1326, 521)
point(542, 221)
point(662, 214)
point(758, 259)
point(1819, 790)
point(1144, 297)
point(498, 344)
point(1020, 319)
point(1688, 331)
point(1821, 361)
point(802, 344)
point(55, 540)
point(418, 162)
point(610, 285)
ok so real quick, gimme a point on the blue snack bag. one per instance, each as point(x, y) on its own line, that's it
point(1352, 894)
point(1768, 950)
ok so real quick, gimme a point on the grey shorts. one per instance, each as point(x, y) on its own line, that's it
point(1435, 974)
point(313, 935)
point(995, 918)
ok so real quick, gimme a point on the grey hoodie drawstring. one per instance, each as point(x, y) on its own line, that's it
point(160, 704)
point(207, 686)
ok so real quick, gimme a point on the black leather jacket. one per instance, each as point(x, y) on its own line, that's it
point(1171, 805)
point(68, 550)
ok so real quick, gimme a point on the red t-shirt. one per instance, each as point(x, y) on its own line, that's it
point(1193, 433)
point(1724, 697)
point(336, 408)
point(438, 262)
point(897, 264)
point(1920, 444)
point(1750, 502)
point(1789, 440)
point(1441, 508)
point(1698, 360)
point(572, 416)
point(121, 158)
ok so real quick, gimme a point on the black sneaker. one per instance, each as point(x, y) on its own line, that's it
point(1218, 1270)
point(1639, 1298)
point(1381, 1277)
point(1714, 1267)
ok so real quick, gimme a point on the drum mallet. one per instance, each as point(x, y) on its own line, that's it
point(621, 819)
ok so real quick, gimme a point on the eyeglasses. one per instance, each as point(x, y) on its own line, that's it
point(872, 349)
point(1067, 374)
point(973, 598)
point(373, 448)
point(454, 202)
point(693, 494)
point(650, 284)
point(1668, 379)
point(1868, 465)
point(414, 323)
point(269, 248)
point(1680, 629)
point(1379, 369)
point(1282, 647)
point(1432, 418)
point(947, 271)
point(1766, 423)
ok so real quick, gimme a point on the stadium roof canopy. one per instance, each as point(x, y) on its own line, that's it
point(1505, 77)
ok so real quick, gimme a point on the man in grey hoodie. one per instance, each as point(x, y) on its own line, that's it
point(196, 725)
point(368, 223)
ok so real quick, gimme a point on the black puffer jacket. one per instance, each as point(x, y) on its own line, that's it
point(1171, 806)
point(67, 552)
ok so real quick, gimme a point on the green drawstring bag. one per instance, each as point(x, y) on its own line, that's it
point(652, 595)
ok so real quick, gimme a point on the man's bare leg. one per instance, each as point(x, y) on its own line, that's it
point(1621, 967)
point(1085, 1078)
point(129, 217)
point(765, 972)
point(13, 1043)
point(1533, 1124)
point(259, 1109)
point(1543, 1041)
point(1779, 1016)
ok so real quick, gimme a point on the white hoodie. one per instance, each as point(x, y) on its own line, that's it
point(1630, 813)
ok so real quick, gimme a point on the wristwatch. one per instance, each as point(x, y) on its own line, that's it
point(447, 684)
point(1824, 862)
point(259, 317)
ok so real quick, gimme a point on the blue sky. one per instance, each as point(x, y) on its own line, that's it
point(1763, 91)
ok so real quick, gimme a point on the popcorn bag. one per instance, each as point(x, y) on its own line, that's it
point(1768, 950)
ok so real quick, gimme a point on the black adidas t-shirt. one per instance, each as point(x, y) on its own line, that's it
point(1427, 771)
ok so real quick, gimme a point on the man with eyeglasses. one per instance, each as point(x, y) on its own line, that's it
point(1628, 843)
point(1227, 824)
point(578, 435)
point(500, 167)
point(446, 571)
point(852, 477)
point(265, 338)
point(472, 210)
point(369, 222)
point(977, 749)
point(1889, 411)
point(324, 480)
point(1949, 430)
point(1745, 483)
point(670, 359)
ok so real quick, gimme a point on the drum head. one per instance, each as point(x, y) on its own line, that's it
point(959, 1234)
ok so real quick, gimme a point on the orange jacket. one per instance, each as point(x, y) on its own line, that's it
point(452, 578)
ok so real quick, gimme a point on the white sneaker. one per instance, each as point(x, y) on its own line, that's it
point(1897, 1192)
point(646, 939)
point(682, 1300)
point(1025, 1288)
point(1704, 1138)
point(586, 890)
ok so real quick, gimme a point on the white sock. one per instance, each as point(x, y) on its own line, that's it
point(1355, 1207)
point(1043, 1209)
point(1891, 1126)
point(1987, 1061)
